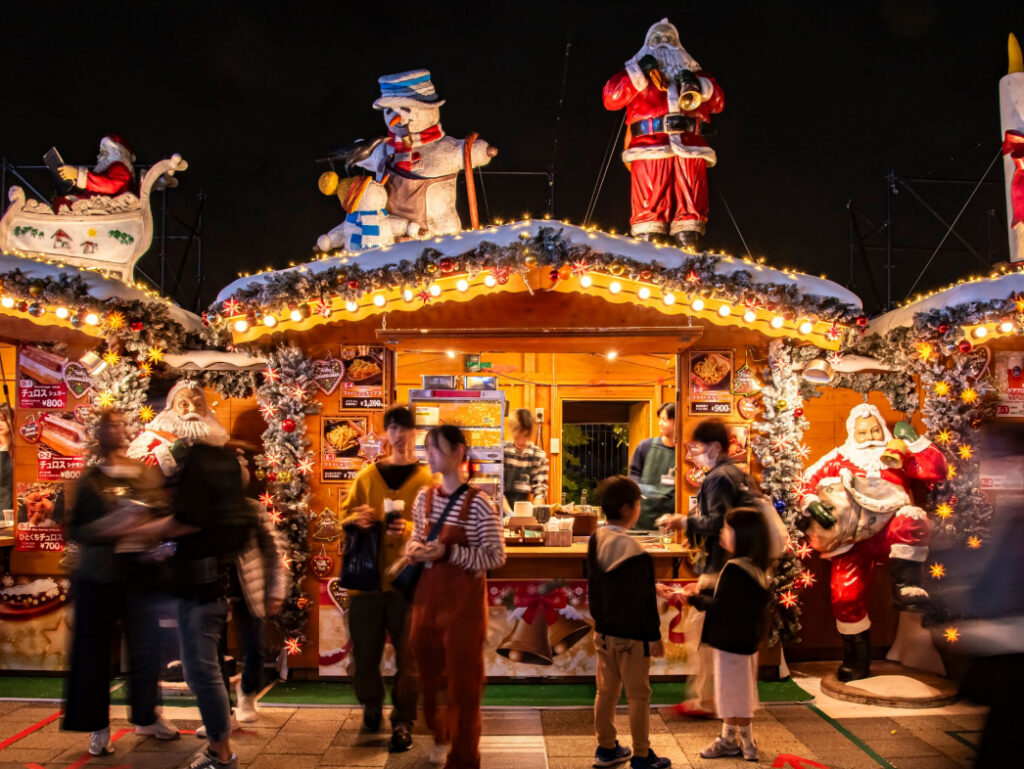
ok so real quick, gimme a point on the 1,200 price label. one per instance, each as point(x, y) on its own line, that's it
point(362, 403)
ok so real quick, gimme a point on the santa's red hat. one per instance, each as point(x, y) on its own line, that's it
point(120, 141)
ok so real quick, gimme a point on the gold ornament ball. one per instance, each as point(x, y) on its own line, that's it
point(781, 404)
point(431, 267)
point(36, 289)
point(328, 182)
point(284, 476)
point(260, 473)
point(617, 268)
point(530, 260)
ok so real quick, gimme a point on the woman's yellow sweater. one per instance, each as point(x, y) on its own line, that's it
point(370, 489)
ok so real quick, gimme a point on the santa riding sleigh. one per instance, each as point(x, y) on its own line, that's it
point(101, 223)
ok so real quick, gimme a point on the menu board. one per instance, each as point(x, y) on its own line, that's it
point(709, 388)
point(41, 382)
point(341, 457)
point(40, 515)
point(362, 380)
point(1009, 375)
point(62, 441)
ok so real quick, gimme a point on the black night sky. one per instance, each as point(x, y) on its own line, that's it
point(822, 99)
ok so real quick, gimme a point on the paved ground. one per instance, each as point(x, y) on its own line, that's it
point(837, 735)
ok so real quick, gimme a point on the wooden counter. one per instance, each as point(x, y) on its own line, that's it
point(533, 562)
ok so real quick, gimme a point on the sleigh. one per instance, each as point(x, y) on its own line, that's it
point(100, 232)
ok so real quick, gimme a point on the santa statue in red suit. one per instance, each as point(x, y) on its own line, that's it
point(667, 97)
point(185, 420)
point(112, 174)
point(859, 511)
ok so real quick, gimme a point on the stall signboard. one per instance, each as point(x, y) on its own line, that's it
point(1009, 369)
point(362, 381)
point(40, 517)
point(710, 382)
point(35, 621)
point(62, 441)
point(41, 382)
point(340, 453)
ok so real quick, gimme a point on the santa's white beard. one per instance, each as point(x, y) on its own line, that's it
point(201, 429)
point(671, 60)
point(108, 157)
point(867, 456)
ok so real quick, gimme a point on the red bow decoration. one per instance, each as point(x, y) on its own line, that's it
point(679, 603)
point(1013, 145)
point(549, 603)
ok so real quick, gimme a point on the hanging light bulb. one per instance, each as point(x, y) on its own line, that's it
point(7, 302)
point(351, 306)
point(612, 355)
point(725, 310)
point(269, 320)
point(490, 281)
point(586, 281)
point(408, 295)
point(669, 299)
point(615, 287)
point(980, 332)
point(92, 319)
point(435, 290)
point(241, 325)
point(462, 285)
point(1006, 327)
point(777, 321)
point(697, 304)
point(62, 313)
point(380, 300)
point(450, 353)
point(644, 292)
point(295, 315)
point(750, 316)
point(806, 327)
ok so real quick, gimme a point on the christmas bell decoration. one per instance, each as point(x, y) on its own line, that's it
point(528, 643)
point(565, 633)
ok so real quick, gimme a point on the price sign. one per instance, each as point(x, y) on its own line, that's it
point(710, 408)
point(709, 389)
point(32, 395)
point(51, 467)
point(362, 403)
point(362, 386)
point(336, 475)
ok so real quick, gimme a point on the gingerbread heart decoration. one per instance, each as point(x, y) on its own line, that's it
point(321, 565)
point(30, 430)
point(695, 476)
point(338, 594)
point(82, 414)
point(77, 379)
point(327, 373)
point(748, 406)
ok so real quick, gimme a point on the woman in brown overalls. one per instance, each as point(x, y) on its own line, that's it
point(449, 612)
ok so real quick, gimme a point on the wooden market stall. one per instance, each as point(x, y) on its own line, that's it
point(565, 319)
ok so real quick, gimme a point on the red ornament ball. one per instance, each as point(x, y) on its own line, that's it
point(965, 346)
point(954, 500)
point(288, 425)
point(862, 321)
point(353, 284)
point(798, 413)
point(446, 265)
point(943, 328)
point(136, 326)
point(554, 276)
point(271, 476)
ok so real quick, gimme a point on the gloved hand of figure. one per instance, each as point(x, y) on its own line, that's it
point(648, 64)
point(822, 513)
point(905, 431)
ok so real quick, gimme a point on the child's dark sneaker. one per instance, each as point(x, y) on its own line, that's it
point(650, 761)
point(611, 756)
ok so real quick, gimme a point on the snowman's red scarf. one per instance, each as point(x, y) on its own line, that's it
point(405, 159)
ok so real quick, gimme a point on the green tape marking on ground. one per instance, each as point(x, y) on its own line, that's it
point(958, 735)
point(853, 738)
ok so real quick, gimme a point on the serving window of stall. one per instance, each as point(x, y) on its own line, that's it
point(597, 440)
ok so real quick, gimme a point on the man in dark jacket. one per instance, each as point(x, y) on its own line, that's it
point(624, 605)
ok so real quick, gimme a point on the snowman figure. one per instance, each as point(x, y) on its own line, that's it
point(367, 224)
point(418, 163)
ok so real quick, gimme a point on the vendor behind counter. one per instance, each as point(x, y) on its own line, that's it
point(653, 467)
point(526, 464)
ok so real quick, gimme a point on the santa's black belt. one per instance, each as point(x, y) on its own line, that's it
point(666, 124)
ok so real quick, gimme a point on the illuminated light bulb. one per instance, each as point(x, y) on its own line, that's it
point(669, 299)
point(586, 281)
point(644, 292)
point(615, 287)
point(351, 306)
point(806, 327)
point(7, 302)
point(725, 310)
point(777, 321)
point(451, 353)
point(408, 295)
point(92, 319)
point(490, 281)
point(269, 320)
point(980, 332)
point(612, 355)
point(241, 325)
point(296, 315)
point(379, 300)
point(697, 304)
point(62, 312)
point(1006, 327)
point(750, 316)
point(435, 290)
point(462, 285)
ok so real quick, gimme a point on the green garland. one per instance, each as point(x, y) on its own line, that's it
point(286, 398)
point(548, 249)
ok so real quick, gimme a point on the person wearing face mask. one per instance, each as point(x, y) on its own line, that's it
point(653, 468)
point(725, 487)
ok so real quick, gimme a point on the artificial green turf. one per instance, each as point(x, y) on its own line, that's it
point(32, 687)
point(518, 695)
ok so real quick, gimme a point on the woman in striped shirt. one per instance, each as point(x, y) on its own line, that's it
point(449, 611)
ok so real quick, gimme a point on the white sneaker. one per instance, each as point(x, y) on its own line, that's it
point(235, 726)
point(247, 710)
point(100, 744)
point(438, 754)
point(161, 729)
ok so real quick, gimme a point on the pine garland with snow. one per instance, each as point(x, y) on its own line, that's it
point(285, 399)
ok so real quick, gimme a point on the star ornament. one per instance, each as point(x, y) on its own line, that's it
point(272, 457)
point(965, 451)
point(276, 517)
point(937, 571)
point(293, 646)
point(145, 368)
point(580, 267)
point(115, 321)
point(111, 358)
point(271, 374)
point(232, 306)
point(268, 411)
point(925, 351)
point(974, 542)
point(941, 389)
point(804, 551)
point(146, 413)
point(788, 599)
point(968, 396)
point(952, 635)
point(943, 437)
point(805, 579)
point(299, 392)
point(803, 451)
point(267, 499)
point(105, 399)
point(306, 465)
point(950, 472)
point(944, 510)
point(155, 354)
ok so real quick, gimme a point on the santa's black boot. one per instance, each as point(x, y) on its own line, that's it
point(856, 656)
point(689, 239)
point(908, 593)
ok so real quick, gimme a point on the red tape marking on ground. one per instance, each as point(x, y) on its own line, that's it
point(788, 759)
point(26, 732)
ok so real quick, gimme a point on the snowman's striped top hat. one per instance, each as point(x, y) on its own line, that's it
point(408, 89)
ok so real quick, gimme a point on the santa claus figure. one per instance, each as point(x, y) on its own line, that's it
point(185, 420)
point(667, 97)
point(112, 174)
point(858, 512)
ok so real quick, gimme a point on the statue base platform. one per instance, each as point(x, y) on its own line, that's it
point(893, 685)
